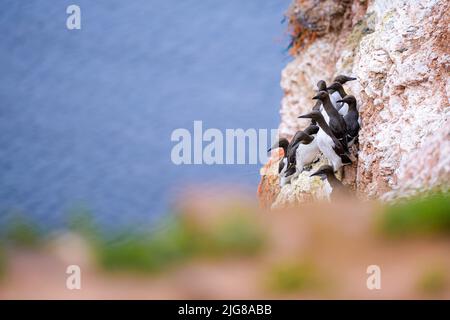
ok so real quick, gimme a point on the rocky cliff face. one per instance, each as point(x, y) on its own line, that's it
point(400, 53)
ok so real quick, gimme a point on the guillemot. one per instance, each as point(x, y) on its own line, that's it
point(351, 119)
point(298, 151)
point(337, 92)
point(342, 79)
point(321, 86)
point(282, 166)
point(300, 137)
point(303, 152)
point(306, 153)
point(327, 142)
point(327, 172)
point(335, 121)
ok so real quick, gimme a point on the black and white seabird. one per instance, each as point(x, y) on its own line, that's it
point(342, 79)
point(307, 152)
point(332, 117)
point(351, 119)
point(327, 142)
point(337, 92)
point(303, 152)
point(282, 166)
point(300, 136)
point(321, 86)
point(327, 172)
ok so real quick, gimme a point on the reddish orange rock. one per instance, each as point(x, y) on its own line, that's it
point(269, 186)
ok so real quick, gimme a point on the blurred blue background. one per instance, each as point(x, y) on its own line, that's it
point(86, 115)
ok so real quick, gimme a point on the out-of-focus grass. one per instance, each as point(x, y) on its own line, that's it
point(179, 241)
point(233, 235)
point(145, 252)
point(433, 281)
point(423, 214)
point(22, 232)
point(182, 238)
point(2, 262)
point(293, 277)
point(81, 221)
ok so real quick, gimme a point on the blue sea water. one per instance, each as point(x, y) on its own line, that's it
point(86, 115)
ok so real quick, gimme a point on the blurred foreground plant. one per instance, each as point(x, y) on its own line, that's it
point(22, 232)
point(422, 214)
point(179, 241)
point(145, 252)
point(293, 277)
point(433, 281)
point(2, 262)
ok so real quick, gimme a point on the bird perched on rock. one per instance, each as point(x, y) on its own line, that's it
point(332, 117)
point(337, 92)
point(282, 166)
point(337, 188)
point(351, 119)
point(303, 152)
point(299, 137)
point(327, 142)
point(321, 86)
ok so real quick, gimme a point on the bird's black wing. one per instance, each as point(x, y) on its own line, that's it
point(281, 165)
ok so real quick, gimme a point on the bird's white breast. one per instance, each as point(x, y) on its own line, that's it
point(307, 153)
point(326, 145)
point(343, 111)
point(334, 97)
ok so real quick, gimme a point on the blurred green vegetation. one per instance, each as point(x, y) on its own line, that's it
point(233, 233)
point(22, 232)
point(2, 262)
point(293, 277)
point(179, 241)
point(145, 252)
point(433, 281)
point(424, 214)
point(81, 220)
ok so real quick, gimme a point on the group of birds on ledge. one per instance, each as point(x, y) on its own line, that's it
point(334, 128)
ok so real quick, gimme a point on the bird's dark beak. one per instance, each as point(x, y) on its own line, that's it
point(315, 97)
point(340, 101)
point(305, 116)
point(351, 78)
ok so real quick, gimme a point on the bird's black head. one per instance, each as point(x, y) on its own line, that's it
point(335, 86)
point(343, 79)
point(312, 129)
point(323, 172)
point(315, 115)
point(303, 137)
point(349, 99)
point(282, 143)
point(322, 95)
point(321, 85)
